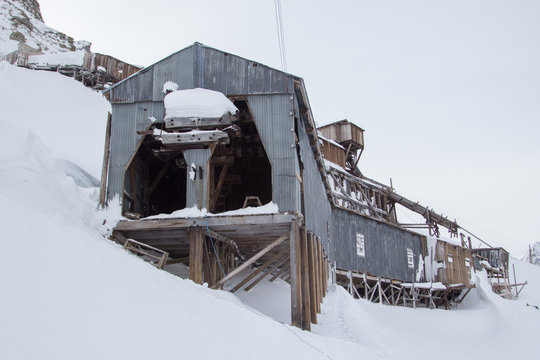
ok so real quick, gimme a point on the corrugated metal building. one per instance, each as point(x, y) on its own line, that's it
point(279, 107)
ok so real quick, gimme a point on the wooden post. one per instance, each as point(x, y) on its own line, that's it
point(105, 167)
point(316, 276)
point(306, 305)
point(296, 276)
point(321, 292)
point(312, 288)
point(196, 255)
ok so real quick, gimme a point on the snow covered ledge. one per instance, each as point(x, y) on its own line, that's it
point(198, 108)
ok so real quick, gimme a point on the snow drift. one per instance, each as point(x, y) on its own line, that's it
point(67, 292)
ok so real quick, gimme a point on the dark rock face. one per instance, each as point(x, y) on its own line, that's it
point(33, 7)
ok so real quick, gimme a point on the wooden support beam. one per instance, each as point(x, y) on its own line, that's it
point(255, 257)
point(312, 287)
point(105, 167)
point(158, 177)
point(256, 281)
point(316, 276)
point(296, 274)
point(196, 239)
point(219, 186)
point(259, 270)
point(306, 306)
point(319, 274)
point(208, 278)
point(281, 272)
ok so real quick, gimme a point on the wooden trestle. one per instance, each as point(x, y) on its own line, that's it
point(218, 248)
point(396, 292)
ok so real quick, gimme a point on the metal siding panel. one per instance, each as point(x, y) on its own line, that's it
point(179, 68)
point(199, 157)
point(145, 84)
point(317, 207)
point(273, 119)
point(225, 73)
point(126, 120)
point(386, 246)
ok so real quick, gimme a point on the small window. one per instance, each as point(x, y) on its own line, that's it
point(410, 258)
point(360, 247)
point(450, 259)
point(467, 262)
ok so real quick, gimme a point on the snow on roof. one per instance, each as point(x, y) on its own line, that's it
point(65, 58)
point(330, 140)
point(197, 103)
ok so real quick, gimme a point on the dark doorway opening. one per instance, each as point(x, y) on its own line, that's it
point(240, 169)
point(154, 182)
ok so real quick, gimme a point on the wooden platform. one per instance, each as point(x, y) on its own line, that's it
point(250, 233)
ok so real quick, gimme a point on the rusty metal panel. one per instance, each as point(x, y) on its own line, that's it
point(274, 118)
point(385, 247)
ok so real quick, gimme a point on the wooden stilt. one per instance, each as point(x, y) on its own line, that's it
point(296, 274)
point(312, 287)
point(196, 255)
point(306, 301)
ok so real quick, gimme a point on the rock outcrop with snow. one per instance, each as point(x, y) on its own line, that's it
point(22, 28)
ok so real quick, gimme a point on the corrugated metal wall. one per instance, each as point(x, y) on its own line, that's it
point(385, 246)
point(274, 119)
point(318, 213)
point(196, 190)
point(126, 120)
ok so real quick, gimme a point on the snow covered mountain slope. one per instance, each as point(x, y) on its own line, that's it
point(68, 293)
point(22, 26)
point(68, 117)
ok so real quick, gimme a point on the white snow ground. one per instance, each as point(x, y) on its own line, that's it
point(67, 293)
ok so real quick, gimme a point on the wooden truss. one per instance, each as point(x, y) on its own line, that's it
point(395, 292)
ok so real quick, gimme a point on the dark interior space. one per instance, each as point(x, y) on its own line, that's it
point(241, 168)
point(155, 182)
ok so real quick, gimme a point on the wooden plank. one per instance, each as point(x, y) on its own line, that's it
point(260, 269)
point(183, 223)
point(312, 286)
point(219, 185)
point(296, 289)
point(263, 275)
point(105, 166)
point(306, 305)
point(251, 261)
point(196, 255)
point(317, 271)
point(320, 262)
point(159, 177)
point(281, 272)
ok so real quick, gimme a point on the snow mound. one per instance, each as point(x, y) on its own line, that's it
point(63, 58)
point(197, 103)
point(68, 117)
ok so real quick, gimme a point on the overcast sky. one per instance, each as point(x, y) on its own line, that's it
point(447, 91)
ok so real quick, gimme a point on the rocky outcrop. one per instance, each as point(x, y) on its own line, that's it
point(22, 30)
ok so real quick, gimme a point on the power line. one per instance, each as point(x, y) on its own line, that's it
point(281, 36)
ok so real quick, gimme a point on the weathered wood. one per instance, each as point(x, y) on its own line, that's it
point(312, 286)
point(320, 276)
point(306, 301)
point(296, 288)
point(278, 264)
point(159, 177)
point(182, 260)
point(196, 240)
point(317, 276)
point(208, 278)
point(219, 186)
point(251, 261)
point(105, 166)
point(281, 272)
point(183, 223)
point(261, 268)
